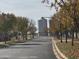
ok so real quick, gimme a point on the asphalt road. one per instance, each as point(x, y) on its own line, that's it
point(38, 48)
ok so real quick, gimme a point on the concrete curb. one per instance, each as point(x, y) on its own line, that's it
point(57, 52)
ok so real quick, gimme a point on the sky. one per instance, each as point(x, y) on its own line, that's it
point(33, 9)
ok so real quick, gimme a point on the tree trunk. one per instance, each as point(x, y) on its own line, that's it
point(61, 37)
point(76, 34)
point(33, 36)
point(66, 36)
point(23, 37)
point(26, 36)
point(73, 38)
point(5, 42)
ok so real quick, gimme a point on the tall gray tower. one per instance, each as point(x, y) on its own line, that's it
point(42, 25)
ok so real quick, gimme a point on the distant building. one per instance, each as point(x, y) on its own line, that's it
point(42, 25)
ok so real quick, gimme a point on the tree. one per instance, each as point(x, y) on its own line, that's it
point(22, 25)
point(70, 7)
point(32, 28)
point(7, 23)
point(10, 23)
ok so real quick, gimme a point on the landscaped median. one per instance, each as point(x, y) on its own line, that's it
point(13, 42)
point(65, 50)
point(9, 43)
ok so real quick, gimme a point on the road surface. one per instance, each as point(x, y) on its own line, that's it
point(38, 48)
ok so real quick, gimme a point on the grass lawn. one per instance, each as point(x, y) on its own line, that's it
point(72, 52)
point(13, 42)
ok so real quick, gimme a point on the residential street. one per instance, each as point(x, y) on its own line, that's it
point(38, 48)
